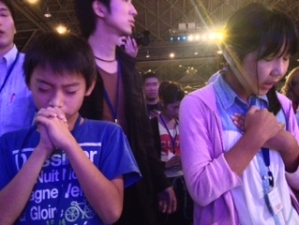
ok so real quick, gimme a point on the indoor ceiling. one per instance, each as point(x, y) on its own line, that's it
point(194, 62)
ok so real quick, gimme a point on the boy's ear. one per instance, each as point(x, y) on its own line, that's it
point(28, 86)
point(90, 89)
point(99, 9)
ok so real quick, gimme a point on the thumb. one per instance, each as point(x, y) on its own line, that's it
point(252, 109)
point(281, 126)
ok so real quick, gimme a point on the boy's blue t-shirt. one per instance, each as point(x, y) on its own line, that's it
point(57, 197)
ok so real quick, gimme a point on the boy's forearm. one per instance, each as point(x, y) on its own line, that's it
point(105, 196)
point(14, 196)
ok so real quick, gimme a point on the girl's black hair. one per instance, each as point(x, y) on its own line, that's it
point(258, 28)
point(170, 92)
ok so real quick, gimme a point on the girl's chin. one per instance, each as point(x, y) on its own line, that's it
point(263, 92)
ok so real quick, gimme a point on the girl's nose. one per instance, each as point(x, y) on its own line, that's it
point(280, 67)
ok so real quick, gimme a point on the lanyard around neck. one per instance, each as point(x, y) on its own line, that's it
point(266, 157)
point(114, 110)
point(173, 139)
point(10, 69)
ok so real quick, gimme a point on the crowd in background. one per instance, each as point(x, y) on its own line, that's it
point(85, 140)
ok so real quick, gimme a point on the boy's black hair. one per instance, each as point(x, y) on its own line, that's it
point(86, 16)
point(62, 53)
point(258, 28)
point(10, 7)
point(149, 75)
point(170, 92)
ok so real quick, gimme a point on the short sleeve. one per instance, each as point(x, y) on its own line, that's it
point(117, 158)
point(5, 159)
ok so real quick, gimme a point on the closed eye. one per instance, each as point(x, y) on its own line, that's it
point(43, 90)
point(269, 58)
point(4, 14)
point(71, 92)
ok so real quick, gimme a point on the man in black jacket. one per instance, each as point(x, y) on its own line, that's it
point(118, 97)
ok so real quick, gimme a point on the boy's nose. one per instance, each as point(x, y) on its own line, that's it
point(56, 100)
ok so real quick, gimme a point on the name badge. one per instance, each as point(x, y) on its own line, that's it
point(275, 201)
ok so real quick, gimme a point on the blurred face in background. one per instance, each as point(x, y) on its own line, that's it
point(171, 110)
point(151, 88)
point(295, 86)
point(7, 29)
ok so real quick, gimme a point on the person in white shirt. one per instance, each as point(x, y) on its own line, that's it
point(16, 105)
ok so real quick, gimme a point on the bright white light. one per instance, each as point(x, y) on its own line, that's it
point(219, 36)
point(172, 55)
point(212, 36)
point(47, 14)
point(32, 1)
point(190, 37)
point(61, 29)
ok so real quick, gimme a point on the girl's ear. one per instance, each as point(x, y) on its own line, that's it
point(99, 9)
point(90, 89)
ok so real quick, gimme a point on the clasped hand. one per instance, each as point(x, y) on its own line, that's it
point(263, 124)
point(53, 128)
